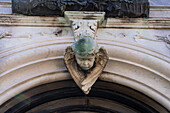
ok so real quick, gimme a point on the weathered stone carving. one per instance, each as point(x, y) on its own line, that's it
point(84, 59)
point(85, 68)
point(166, 39)
point(138, 36)
point(113, 8)
point(10, 35)
point(5, 34)
point(84, 28)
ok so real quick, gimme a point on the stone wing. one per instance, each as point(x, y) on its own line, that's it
point(101, 61)
point(71, 64)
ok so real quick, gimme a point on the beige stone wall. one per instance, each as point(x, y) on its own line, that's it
point(32, 49)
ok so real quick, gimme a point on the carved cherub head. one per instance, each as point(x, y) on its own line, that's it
point(85, 52)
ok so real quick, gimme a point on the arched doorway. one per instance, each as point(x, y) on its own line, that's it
point(41, 64)
point(66, 97)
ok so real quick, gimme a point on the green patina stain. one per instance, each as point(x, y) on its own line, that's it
point(85, 46)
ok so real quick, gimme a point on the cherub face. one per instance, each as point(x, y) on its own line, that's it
point(85, 62)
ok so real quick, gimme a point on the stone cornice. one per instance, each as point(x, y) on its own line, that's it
point(159, 19)
point(37, 21)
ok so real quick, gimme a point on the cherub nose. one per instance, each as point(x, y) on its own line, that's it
point(85, 63)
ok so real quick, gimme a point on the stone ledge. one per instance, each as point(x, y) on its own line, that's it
point(37, 21)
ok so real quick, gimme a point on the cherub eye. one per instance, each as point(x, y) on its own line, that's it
point(82, 59)
point(90, 59)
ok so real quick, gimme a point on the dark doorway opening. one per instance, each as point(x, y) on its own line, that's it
point(66, 97)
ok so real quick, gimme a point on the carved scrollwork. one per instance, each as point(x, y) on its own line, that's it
point(84, 28)
point(10, 35)
point(5, 34)
point(166, 39)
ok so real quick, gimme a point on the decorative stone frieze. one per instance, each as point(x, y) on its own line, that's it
point(113, 8)
point(165, 39)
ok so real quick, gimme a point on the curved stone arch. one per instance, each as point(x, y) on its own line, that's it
point(34, 64)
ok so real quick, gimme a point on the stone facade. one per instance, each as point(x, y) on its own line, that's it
point(32, 51)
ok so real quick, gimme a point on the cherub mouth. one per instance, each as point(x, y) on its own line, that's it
point(85, 68)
